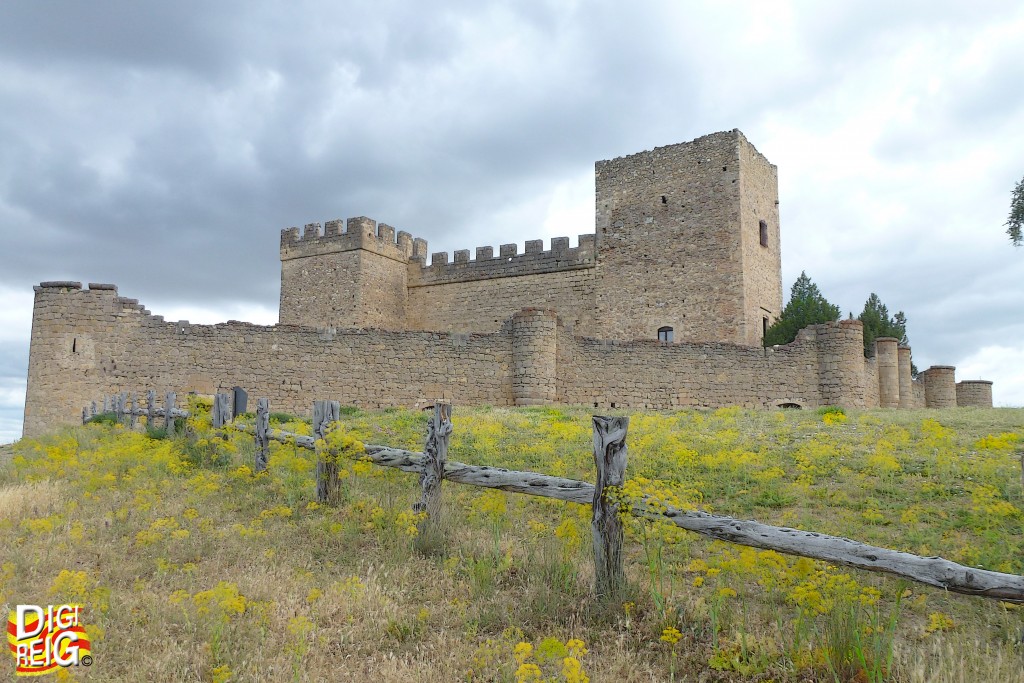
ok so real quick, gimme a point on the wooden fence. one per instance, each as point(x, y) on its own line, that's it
point(126, 408)
point(610, 458)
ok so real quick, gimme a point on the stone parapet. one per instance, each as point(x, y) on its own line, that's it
point(508, 262)
point(356, 233)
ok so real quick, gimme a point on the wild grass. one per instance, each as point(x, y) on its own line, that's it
point(192, 568)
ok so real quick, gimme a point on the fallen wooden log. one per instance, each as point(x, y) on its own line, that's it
point(933, 571)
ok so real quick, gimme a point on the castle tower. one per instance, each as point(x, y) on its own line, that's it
point(688, 243)
point(344, 278)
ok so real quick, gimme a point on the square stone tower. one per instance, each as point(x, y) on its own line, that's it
point(350, 275)
point(688, 243)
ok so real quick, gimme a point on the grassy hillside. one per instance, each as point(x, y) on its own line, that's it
point(192, 568)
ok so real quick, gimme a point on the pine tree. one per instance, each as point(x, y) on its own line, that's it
point(806, 307)
point(877, 323)
point(1015, 223)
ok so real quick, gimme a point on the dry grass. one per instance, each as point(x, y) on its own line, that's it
point(266, 587)
point(37, 499)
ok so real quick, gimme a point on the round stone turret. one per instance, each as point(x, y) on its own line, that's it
point(940, 387)
point(888, 372)
point(974, 393)
point(534, 357)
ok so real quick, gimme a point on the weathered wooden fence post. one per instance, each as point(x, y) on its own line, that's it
point(133, 403)
point(169, 412)
point(92, 409)
point(150, 408)
point(610, 457)
point(85, 415)
point(220, 414)
point(435, 454)
point(324, 413)
point(262, 428)
point(106, 404)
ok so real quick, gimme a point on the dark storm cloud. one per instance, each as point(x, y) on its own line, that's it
point(181, 133)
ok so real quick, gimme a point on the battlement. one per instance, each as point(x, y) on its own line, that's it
point(507, 263)
point(355, 233)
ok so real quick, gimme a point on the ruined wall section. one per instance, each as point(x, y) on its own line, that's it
point(480, 294)
point(762, 262)
point(668, 242)
point(346, 276)
point(91, 343)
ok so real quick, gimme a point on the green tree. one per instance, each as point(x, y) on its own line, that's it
point(1015, 223)
point(877, 323)
point(806, 307)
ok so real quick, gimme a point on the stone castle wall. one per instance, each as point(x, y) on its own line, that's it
point(762, 263)
point(480, 294)
point(88, 343)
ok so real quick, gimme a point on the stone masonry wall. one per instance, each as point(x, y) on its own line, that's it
point(90, 343)
point(651, 374)
point(481, 294)
point(668, 245)
point(974, 393)
point(871, 384)
point(762, 264)
point(87, 343)
point(348, 275)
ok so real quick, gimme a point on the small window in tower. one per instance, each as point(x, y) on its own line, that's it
point(764, 233)
point(664, 199)
point(74, 345)
point(665, 334)
point(764, 326)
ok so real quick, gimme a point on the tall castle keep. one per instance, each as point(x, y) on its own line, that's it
point(664, 306)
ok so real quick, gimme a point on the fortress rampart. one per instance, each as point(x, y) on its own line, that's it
point(91, 342)
point(664, 306)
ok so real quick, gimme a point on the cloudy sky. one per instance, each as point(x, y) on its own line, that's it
point(163, 146)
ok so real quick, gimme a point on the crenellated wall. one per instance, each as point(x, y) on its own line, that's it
point(481, 294)
point(350, 274)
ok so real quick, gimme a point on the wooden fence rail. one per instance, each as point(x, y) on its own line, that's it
point(610, 457)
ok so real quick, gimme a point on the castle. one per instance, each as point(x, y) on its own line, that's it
point(664, 306)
